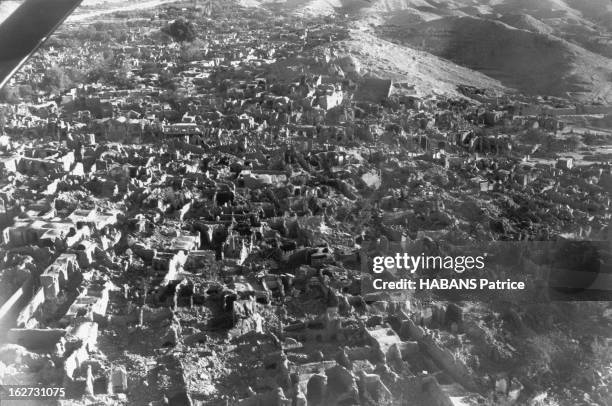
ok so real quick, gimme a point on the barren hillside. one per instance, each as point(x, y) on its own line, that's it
point(528, 61)
point(527, 22)
point(428, 73)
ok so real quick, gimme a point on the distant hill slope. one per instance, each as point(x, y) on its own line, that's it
point(526, 22)
point(594, 11)
point(528, 61)
point(428, 73)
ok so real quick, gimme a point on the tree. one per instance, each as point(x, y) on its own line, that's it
point(167, 81)
point(149, 67)
point(120, 78)
point(101, 69)
point(109, 71)
point(55, 80)
point(8, 95)
point(181, 30)
point(172, 97)
point(77, 75)
point(26, 92)
point(193, 51)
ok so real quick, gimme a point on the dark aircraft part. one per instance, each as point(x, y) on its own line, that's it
point(26, 29)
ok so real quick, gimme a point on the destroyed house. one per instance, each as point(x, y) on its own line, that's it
point(92, 218)
point(257, 178)
point(317, 330)
point(9, 163)
point(92, 301)
point(38, 166)
point(60, 275)
point(181, 129)
point(565, 163)
point(27, 232)
point(185, 243)
point(199, 261)
point(85, 251)
point(330, 99)
point(247, 288)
